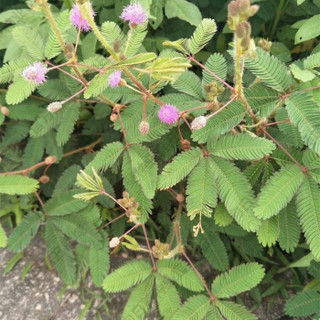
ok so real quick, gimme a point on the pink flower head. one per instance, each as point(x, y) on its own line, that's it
point(77, 20)
point(114, 79)
point(168, 114)
point(35, 73)
point(134, 13)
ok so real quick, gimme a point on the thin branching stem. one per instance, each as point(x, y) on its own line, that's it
point(154, 266)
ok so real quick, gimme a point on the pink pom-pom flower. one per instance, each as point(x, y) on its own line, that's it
point(35, 73)
point(168, 114)
point(134, 13)
point(114, 79)
point(78, 21)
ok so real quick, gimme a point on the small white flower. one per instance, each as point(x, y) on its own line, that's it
point(54, 106)
point(114, 242)
point(199, 123)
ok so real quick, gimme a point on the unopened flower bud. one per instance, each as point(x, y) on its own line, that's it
point(113, 117)
point(114, 242)
point(185, 144)
point(50, 160)
point(253, 10)
point(180, 197)
point(117, 45)
point(54, 106)
point(69, 50)
point(5, 111)
point(265, 44)
point(233, 8)
point(199, 123)
point(44, 179)
point(244, 4)
point(144, 127)
point(243, 30)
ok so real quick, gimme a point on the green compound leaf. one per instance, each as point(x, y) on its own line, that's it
point(60, 253)
point(195, 308)
point(268, 232)
point(139, 301)
point(64, 204)
point(127, 276)
point(308, 30)
point(238, 279)
point(304, 113)
point(240, 147)
point(144, 168)
point(178, 271)
point(202, 35)
point(17, 185)
point(201, 190)
point(19, 90)
point(106, 157)
point(233, 311)
point(99, 264)
point(221, 123)
point(235, 191)
point(308, 204)
point(217, 64)
point(189, 83)
point(22, 235)
point(167, 297)
point(270, 70)
point(289, 228)
point(78, 228)
point(278, 191)
point(305, 303)
point(179, 168)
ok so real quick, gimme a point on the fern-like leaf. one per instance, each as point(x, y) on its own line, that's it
point(19, 90)
point(233, 311)
point(305, 303)
point(201, 189)
point(238, 279)
point(97, 85)
point(308, 204)
point(66, 180)
point(179, 168)
point(218, 65)
point(17, 185)
point(167, 297)
point(132, 186)
point(33, 152)
point(214, 314)
point(144, 168)
point(270, 70)
point(178, 271)
point(78, 228)
point(202, 35)
point(106, 157)
point(278, 191)
point(195, 308)
point(64, 204)
point(235, 191)
point(289, 228)
point(70, 116)
point(134, 40)
point(22, 235)
point(212, 246)
point(304, 113)
point(223, 122)
point(268, 232)
point(99, 264)
point(313, 61)
point(139, 301)
point(240, 147)
point(190, 84)
point(60, 253)
point(127, 276)
point(112, 32)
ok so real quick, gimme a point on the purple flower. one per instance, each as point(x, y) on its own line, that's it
point(168, 114)
point(114, 79)
point(35, 73)
point(134, 13)
point(77, 20)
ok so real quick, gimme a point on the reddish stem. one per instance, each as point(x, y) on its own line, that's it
point(149, 248)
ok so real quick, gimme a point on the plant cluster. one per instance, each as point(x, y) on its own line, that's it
point(115, 147)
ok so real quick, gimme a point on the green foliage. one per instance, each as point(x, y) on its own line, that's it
point(303, 304)
point(99, 264)
point(234, 311)
point(195, 308)
point(189, 83)
point(22, 235)
point(217, 64)
point(17, 185)
point(178, 271)
point(239, 279)
point(19, 90)
point(3, 238)
point(127, 276)
point(278, 191)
